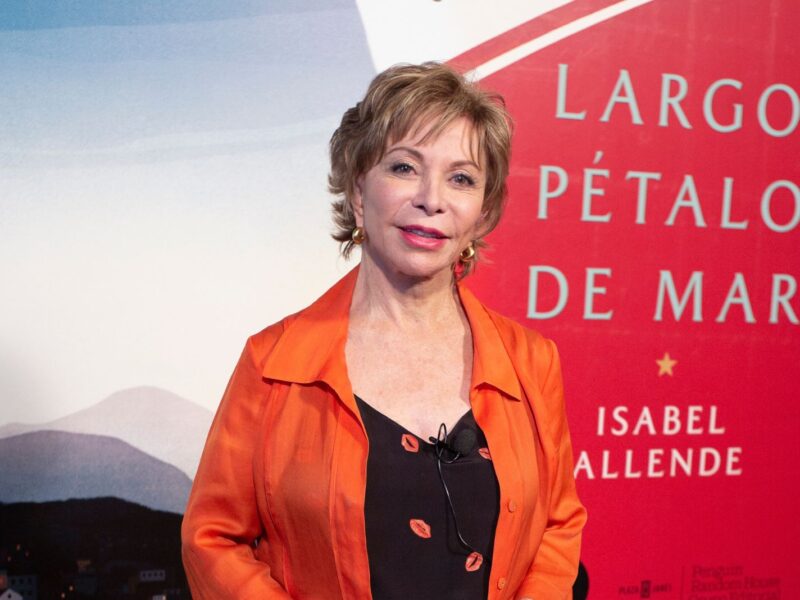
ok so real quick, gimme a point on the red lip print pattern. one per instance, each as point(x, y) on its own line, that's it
point(484, 452)
point(410, 443)
point(474, 561)
point(421, 528)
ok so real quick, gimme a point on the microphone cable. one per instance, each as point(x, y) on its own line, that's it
point(462, 445)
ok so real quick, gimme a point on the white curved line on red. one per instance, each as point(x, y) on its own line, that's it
point(551, 37)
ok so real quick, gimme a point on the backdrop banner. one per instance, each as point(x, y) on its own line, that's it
point(652, 231)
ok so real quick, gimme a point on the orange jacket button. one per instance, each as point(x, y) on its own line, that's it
point(512, 506)
point(501, 583)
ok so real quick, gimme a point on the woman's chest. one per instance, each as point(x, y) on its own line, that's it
point(315, 448)
point(418, 386)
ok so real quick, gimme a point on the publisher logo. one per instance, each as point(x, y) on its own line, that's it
point(646, 588)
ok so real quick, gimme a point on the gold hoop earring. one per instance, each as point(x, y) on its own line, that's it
point(467, 254)
point(358, 236)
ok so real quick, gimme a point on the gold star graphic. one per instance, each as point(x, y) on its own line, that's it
point(665, 364)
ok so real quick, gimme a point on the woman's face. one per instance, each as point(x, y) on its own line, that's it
point(421, 205)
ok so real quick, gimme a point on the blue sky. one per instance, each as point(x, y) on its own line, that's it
point(80, 79)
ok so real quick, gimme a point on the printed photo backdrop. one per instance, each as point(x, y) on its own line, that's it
point(162, 197)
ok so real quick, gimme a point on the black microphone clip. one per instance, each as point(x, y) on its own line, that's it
point(463, 443)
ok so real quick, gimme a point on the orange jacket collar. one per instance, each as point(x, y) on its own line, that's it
point(311, 348)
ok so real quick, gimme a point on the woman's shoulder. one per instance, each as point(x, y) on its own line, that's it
point(262, 343)
point(522, 339)
point(535, 357)
point(538, 365)
point(523, 343)
point(322, 315)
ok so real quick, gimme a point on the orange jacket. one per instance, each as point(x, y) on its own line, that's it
point(277, 506)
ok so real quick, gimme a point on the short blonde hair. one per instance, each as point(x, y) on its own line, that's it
point(404, 97)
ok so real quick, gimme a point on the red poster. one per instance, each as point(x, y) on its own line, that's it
point(653, 232)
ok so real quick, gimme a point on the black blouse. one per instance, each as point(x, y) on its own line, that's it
point(412, 542)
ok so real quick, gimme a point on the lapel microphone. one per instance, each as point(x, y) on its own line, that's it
point(462, 444)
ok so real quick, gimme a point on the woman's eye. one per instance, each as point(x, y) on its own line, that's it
point(463, 179)
point(402, 168)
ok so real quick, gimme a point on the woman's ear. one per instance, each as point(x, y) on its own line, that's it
point(481, 226)
point(357, 201)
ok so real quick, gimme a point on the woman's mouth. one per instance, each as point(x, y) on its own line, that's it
point(423, 238)
point(424, 232)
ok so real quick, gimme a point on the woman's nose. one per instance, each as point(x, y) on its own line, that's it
point(430, 195)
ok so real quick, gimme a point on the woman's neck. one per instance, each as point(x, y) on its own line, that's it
point(402, 302)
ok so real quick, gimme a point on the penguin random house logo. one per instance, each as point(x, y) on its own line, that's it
point(708, 582)
point(728, 582)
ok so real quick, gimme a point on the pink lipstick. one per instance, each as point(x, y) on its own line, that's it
point(426, 238)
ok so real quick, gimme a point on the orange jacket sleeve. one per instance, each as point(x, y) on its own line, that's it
point(555, 566)
point(222, 523)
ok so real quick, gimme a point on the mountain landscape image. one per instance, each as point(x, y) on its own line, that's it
point(155, 421)
point(165, 150)
point(91, 503)
point(54, 465)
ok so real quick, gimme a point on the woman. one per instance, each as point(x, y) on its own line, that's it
point(329, 471)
